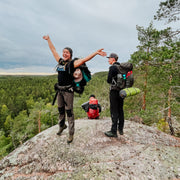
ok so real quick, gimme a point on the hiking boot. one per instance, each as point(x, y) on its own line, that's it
point(110, 134)
point(121, 132)
point(61, 129)
point(70, 139)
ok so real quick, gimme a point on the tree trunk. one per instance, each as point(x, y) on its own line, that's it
point(169, 110)
point(145, 83)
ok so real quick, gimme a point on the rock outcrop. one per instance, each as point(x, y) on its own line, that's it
point(141, 153)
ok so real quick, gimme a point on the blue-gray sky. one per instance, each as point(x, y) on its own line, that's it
point(83, 25)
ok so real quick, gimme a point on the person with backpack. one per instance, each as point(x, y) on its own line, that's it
point(116, 101)
point(92, 107)
point(66, 68)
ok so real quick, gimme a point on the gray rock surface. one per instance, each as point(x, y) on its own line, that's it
point(141, 153)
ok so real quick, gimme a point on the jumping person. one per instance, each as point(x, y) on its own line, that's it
point(66, 67)
point(116, 102)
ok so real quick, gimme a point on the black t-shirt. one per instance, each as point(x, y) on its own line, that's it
point(113, 71)
point(65, 72)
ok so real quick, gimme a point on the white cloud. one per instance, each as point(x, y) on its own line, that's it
point(29, 69)
point(83, 25)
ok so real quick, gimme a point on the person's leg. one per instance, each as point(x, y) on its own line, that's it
point(68, 97)
point(121, 116)
point(114, 110)
point(61, 109)
point(114, 114)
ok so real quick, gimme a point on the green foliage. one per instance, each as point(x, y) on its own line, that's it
point(149, 37)
point(158, 58)
point(169, 10)
point(5, 145)
point(8, 125)
point(162, 125)
point(20, 92)
point(21, 100)
point(3, 114)
point(18, 132)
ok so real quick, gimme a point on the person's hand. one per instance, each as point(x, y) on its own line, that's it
point(46, 37)
point(101, 52)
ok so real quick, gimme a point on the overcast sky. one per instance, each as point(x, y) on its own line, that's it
point(83, 25)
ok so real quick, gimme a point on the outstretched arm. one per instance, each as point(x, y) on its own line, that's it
point(52, 48)
point(79, 62)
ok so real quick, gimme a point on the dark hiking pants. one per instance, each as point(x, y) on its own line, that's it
point(65, 106)
point(117, 113)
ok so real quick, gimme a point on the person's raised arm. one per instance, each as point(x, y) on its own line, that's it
point(52, 48)
point(79, 62)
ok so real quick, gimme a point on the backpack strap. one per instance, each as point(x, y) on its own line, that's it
point(114, 85)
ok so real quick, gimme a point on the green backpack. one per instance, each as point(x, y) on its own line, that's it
point(78, 87)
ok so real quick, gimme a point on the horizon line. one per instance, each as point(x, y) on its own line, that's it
point(23, 73)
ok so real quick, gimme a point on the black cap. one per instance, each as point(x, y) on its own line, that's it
point(113, 55)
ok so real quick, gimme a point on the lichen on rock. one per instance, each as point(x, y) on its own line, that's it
point(141, 153)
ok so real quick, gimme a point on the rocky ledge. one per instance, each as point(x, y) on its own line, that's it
point(141, 153)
